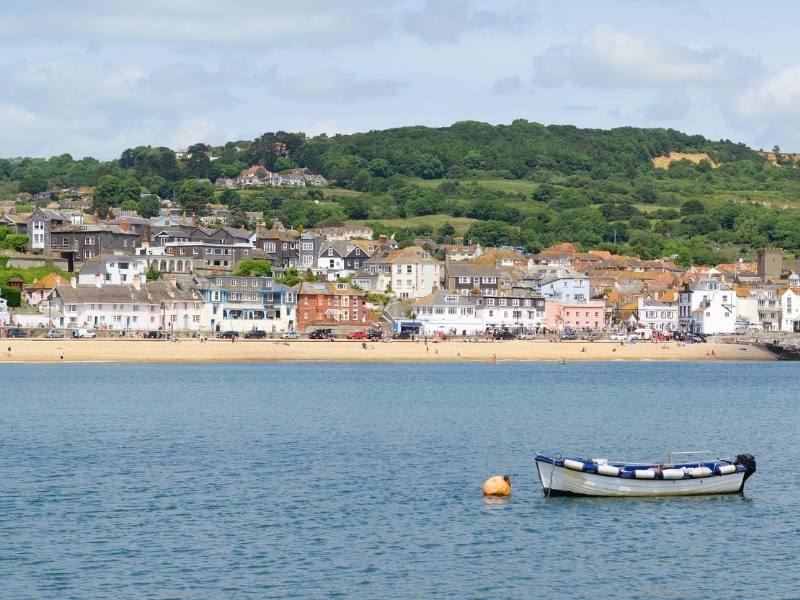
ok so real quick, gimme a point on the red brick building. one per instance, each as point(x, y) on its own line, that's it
point(329, 304)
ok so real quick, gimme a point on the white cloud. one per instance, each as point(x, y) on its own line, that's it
point(331, 85)
point(507, 85)
point(776, 97)
point(607, 59)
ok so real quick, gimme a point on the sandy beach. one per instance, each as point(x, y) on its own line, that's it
point(188, 351)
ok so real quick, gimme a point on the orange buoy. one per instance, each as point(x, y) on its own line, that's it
point(497, 486)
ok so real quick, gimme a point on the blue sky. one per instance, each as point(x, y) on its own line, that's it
point(92, 78)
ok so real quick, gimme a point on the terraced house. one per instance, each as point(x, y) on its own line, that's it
point(330, 304)
point(234, 303)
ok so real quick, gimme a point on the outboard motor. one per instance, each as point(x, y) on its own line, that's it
point(749, 463)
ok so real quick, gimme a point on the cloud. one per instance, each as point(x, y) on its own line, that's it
point(603, 58)
point(507, 85)
point(775, 97)
point(331, 85)
point(243, 24)
point(440, 21)
point(667, 106)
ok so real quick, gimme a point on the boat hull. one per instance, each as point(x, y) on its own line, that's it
point(561, 481)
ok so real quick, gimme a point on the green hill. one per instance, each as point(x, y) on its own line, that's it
point(522, 184)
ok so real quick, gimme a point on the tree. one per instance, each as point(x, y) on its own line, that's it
point(33, 182)
point(16, 241)
point(692, 207)
point(195, 196)
point(445, 233)
point(152, 274)
point(355, 208)
point(230, 197)
point(130, 205)
point(429, 167)
point(290, 277)
point(149, 207)
point(473, 160)
point(254, 267)
point(106, 194)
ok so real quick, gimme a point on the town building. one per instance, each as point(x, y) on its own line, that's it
point(40, 225)
point(707, 306)
point(173, 304)
point(330, 304)
point(657, 315)
point(237, 303)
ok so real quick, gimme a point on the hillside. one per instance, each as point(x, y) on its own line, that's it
point(651, 192)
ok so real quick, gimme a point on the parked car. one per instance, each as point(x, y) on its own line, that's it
point(255, 334)
point(695, 338)
point(16, 333)
point(320, 334)
point(526, 336)
point(357, 335)
point(374, 335)
point(155, 335)
point(290, 335)
point(54, 334)
point(83, 333)
point(503, 334)
point(228, 335)
point(402, 335)
point(618, 337)
point(569, 336)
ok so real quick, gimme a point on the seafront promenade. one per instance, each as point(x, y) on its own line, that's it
point(189, 351)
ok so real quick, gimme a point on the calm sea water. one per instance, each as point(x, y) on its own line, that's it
point(354, 480)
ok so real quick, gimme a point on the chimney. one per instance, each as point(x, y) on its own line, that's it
point(124, 225)
point(137, 282)
point(173, 280)
point(73, 282)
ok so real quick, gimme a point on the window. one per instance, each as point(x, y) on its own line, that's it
point(346, 315)
point(490, 302)
point(439, 310)
point(451, 310)
point(89, 241)
point(515, 302)
point(195, 318)
point(135, 308)
point(465, 280)
point(183, 250)
point(308, 245)
point(503, 302)
point(408, 269)
point(409, 283)
point(399, 269)
point(355, 315)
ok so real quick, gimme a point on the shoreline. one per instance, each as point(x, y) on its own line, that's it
point(193, 351)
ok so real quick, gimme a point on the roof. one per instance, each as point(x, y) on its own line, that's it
point(414, 254)
point(48, 282)
point(152, 292)
point(492, 255)
point(327, 288)
point(467, 269)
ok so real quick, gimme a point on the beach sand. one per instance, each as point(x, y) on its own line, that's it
point(189, 351)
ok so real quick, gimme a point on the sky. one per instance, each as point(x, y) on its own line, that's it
point(93, 78)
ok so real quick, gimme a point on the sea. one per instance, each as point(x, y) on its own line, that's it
point(363, 480)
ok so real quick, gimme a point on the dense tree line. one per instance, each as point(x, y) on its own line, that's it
point(592, 187)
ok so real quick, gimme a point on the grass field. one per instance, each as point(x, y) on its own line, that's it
point(461, 224)
point(501, 185)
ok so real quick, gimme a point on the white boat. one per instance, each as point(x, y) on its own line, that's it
point(572, 476)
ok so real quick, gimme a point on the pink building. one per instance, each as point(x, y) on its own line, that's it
point(580, 316)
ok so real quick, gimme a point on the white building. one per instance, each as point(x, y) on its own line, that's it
point(790, 306)
point(707, 306)
point(558, 283)
point(4, 316)
point(658, 316)
point(169, 305)
point(415, 274)
point(469, 314)
point(110, 269)
point(768, 306)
